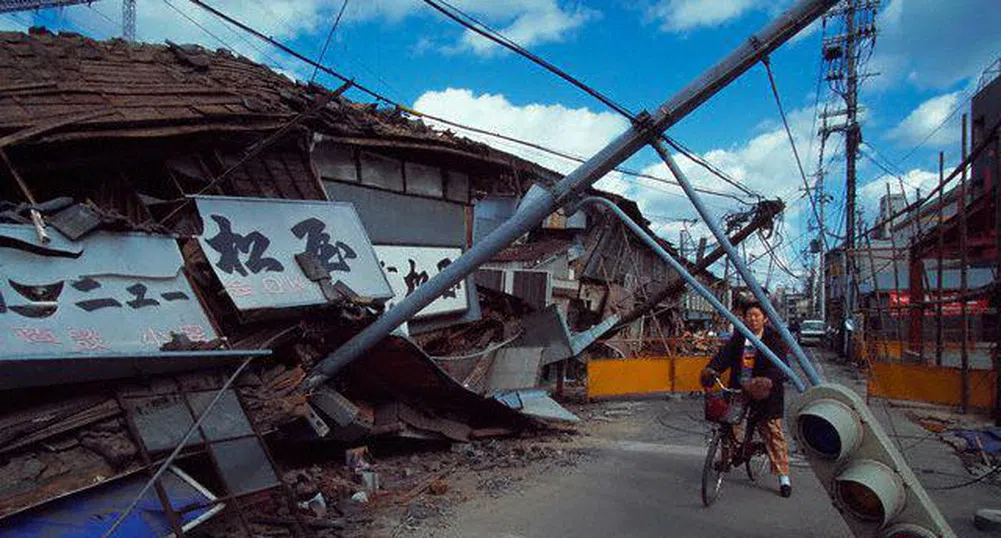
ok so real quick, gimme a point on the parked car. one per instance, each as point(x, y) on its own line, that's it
point(811, 332)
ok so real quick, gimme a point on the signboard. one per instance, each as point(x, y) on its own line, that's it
point(951, 308)
point(251, 244)
point(114, 293)
point(408, 267)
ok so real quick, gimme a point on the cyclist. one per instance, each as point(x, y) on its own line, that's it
point(762, 381)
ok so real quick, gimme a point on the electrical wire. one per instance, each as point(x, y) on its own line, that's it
point(471, 23)
point(792, 141)
point(327, 42)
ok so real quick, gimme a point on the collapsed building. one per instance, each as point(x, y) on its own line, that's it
point(171, 214)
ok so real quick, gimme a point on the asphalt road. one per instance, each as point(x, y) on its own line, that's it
point(650, 490)
point(644, 480)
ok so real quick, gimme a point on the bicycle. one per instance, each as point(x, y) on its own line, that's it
point(726, 409)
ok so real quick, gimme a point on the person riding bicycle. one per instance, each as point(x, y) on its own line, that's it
point(762, 381)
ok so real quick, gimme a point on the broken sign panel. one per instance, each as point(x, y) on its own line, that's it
point(409, 267)
point(251, 244)
point(121, 293)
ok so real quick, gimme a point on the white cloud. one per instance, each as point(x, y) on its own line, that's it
point(913, 181)
point(933, 44)
point(577, 131)
point(685, 15)
point(936, 117)
point(543, 23)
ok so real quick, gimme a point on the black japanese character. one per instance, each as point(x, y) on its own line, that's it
point(87, 285)
point(230, 244)
point(413, 279)
point(175, 296)
point(450, 292)
point(333, 256)
point(3, 305)
point(390, 269)
point(46, 294)
point(141, 301)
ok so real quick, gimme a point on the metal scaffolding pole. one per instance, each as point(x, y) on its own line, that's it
point(941, 247)
point(896, 275)
point(738, 263)
point(964, 357)
point(541, 202)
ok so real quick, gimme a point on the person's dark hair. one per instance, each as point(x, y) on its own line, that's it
point(750, 305)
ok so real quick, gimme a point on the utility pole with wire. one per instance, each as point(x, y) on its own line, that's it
point(129, 20)
point(845, 55)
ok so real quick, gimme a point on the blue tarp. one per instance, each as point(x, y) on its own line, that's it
point(90, 513)
point(990, 439)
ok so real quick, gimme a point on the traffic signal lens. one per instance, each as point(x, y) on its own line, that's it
point(829, 429)
point(820, 435)
point(870, 491)
point(861, 501)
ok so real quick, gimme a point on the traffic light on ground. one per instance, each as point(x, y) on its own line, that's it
point(865, 475)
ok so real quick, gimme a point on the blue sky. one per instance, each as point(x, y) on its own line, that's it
point(930, 54)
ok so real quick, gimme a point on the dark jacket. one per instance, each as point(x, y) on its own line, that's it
point(729, 358)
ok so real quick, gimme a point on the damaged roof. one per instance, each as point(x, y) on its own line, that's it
point(119, 89)
point(533, 252)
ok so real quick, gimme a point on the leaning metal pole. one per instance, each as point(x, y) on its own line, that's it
point(738, 263)
point(532, 212)
point(699, 288)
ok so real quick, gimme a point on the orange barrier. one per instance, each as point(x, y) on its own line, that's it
point(643, 376)
point(932, 384)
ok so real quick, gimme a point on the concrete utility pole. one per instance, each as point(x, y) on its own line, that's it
point(844, 54)
point(542, 202)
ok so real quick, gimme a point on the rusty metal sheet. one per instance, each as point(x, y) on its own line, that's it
point(251, 244)
point(124, 294)
point(408, 267)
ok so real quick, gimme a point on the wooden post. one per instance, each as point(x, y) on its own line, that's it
point(964, 334)
point(941, 247)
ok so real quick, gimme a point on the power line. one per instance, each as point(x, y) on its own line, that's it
point(481, 28)
point(327, 42)
point(792, 143)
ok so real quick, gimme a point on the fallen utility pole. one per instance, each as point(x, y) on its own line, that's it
point(766, 211)
point(533, 210)
point(759, 294)
point(738, 325)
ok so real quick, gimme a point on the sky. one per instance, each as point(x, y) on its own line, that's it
point(926, 64)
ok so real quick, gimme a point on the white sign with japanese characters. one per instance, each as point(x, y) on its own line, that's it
point(110, 293)
point(408, 267)
point(251, 244)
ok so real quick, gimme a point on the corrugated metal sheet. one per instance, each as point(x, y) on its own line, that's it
point(536, 403)
point(251, 244)
point(123, 295)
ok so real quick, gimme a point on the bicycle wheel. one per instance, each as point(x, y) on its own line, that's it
point(714, 468)
point(757, 461)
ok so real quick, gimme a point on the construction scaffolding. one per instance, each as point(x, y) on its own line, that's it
point(927, 280)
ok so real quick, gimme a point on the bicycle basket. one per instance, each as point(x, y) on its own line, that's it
point(723, 407)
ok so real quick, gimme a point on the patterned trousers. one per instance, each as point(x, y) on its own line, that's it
point(771, 433)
